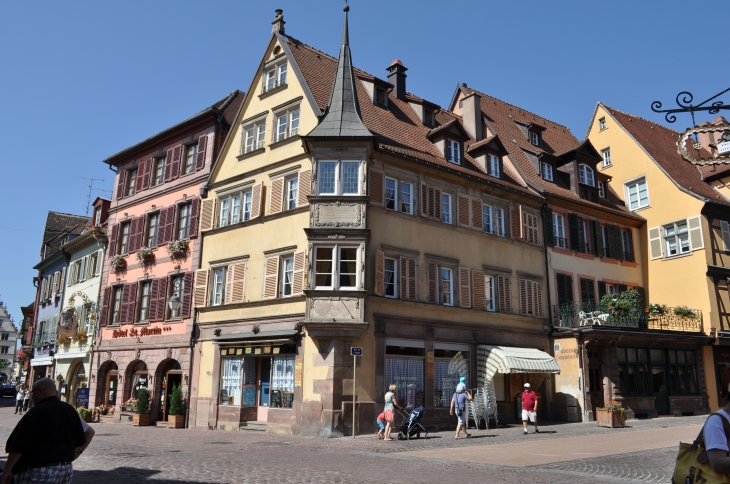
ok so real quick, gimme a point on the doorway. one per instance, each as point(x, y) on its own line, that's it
point(112, 385)
point(264, 388)
point(171, 380)
point(595, 377)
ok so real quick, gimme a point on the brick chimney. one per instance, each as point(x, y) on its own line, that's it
point(397, 77)
point(471, 112)
point(278, 23)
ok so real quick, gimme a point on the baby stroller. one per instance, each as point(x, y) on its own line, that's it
point(412, 425)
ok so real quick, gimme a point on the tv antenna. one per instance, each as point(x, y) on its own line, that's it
point(91, 189)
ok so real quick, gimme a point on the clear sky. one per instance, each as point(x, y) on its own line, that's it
point(82, 80)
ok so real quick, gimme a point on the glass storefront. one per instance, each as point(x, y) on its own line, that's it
point(404, 367)
point(451, 362)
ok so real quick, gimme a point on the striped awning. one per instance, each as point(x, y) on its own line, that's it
point(507, 359)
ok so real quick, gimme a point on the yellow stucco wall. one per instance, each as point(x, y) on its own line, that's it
point(205, 376)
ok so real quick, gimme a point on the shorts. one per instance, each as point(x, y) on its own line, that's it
point(532, 416)
point(381, 424)
point(388, 415)
point(461, 416)
point(57, 474)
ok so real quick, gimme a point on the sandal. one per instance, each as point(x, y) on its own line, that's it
point(389, 439)
point(468, 435)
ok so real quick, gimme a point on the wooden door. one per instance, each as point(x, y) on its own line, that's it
point(595, 377)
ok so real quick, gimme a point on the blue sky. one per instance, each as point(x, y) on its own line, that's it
point(82, 80)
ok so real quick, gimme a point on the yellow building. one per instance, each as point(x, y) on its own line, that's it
point(346, 212)
point(685, 262)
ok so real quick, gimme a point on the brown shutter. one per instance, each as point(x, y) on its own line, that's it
point(412, 280)
point(162, 226)
point(187, 295)
point(168, 165)
point(305, 187)
point(426, 208)
point(479, 298)
point(462, 209)
point(433, 282)
point(207, 214)
point(379, 273)
point(377, 192)
point(175, 164)
point(194, 217)
point(436, 203)
point(403, 277)
point(516, 221)
point(169, 228)
point(148, 173)
point(121, 182)
point(271, 277)
point(477, 221)
point(464, 288)
point(299, 274)
point(228, 299)
point(505, 294)
point(537, 301)
point(524, 299)
point(200, 161)
point(112, 240)
point(162, 299)
point(129, 303)
point(139, 184)
point(135, 234)
point(256, 200)
point(277, 196)
point(152, 310)
point(200, 293)
point(105, 306)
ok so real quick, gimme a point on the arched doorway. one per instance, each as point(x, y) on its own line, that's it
point(136, 378)
point(76, 379)
point(108, 383)
point(169, 375)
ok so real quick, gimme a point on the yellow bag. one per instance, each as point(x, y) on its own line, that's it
point(692, 465)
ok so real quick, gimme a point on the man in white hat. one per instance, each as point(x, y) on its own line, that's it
point(529, 408)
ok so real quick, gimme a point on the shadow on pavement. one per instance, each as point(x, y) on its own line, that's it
point(124, 475)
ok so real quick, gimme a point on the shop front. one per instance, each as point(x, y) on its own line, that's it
point(71, 373)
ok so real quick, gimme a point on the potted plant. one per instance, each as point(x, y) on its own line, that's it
point(112, 409)
point(657, 309)
point(141, 417)
point(612, 415)
point(176, 417)
point(684, 312)
point(177, 248)
point(63, 340)
point(86, 414)
point(118, 263)
point(80, 336)
point(145, 254)
point(129, 405)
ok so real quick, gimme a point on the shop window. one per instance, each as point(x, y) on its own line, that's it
point(657, 371)
point(231, 373)
point(404, 364)
point(140, 379)
point(683, 372)
point(282, 381)
point(449, 366)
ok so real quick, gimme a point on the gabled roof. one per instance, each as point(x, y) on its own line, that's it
point(660, 143)
point(57, 226)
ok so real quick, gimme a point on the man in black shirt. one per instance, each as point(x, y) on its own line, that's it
point(45, 441)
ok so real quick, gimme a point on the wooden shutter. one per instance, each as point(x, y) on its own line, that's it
point(548, 227)
point(601, 290)
point(207, 214)
point(194, 218)
point(505, 294)
point(436, 202)
point(200, 292)
point(112, 240)
point(587, 290)
point(479, 298)
point(462, 210)
point(229, 285)
point(105, 306)
point(622, 288)
point(377, 192)
point(477, 220)
point(564, 288)
point(167, 230)
point(403, 277)
point(187, 294)
point(256, 200)
point(305, 187)
point(271, 277)
point(433, 282)
point(238, 282)
point(136, 227)
point(168, 165)
point(573, 232)
point(618, 243)
point(276, 199)
point(412, 280)
point(162, 299)
point(129, 300)
point(174, 171)
point(515, 214)
point(379, 273)
point(162, 226)
point(696, 241)
point(630, 254)
point(63, 273)
point(524, 297)
point(600, 250)
point(425, 206)
point(529, 228)
point(139, 183)
point(149, 166)
point(300, 273)
point(537, 301)
point(121, 183)
point(655, 242)
point(200, 160)
point(152, 309)
point(464, 288)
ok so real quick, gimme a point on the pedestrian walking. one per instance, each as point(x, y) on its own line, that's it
point(390, 405)
point(716, 442)
point(381, 423)
point(529, 408)
point(46, 441)
point(462, 385)
point(19, 396)
point(26, 398)
point(458, 404)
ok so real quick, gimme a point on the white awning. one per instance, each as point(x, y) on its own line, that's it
point(78, 354)
point(507, 359)
point(48, 360)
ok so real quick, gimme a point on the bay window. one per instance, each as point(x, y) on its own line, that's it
point(338, 177)
point(336, 267)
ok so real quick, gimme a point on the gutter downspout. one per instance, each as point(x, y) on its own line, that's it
point(550, 306)
point(190, 371)
point(581, 379)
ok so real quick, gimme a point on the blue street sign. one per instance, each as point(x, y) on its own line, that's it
point(354, 351)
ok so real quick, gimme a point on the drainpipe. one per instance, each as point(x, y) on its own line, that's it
point(190, 371)
point(547, 270)
point(581, 379)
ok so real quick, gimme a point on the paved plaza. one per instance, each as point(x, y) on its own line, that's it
point(561, 452)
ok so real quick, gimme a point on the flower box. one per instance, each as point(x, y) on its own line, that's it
point(609, 418)
point(127, 408)
point(176, 421)
point(141, 419)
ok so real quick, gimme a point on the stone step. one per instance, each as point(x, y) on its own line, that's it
point(253, 426)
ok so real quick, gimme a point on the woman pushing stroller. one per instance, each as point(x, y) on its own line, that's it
point(390, 405)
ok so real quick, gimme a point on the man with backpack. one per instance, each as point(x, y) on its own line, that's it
point(458, 403)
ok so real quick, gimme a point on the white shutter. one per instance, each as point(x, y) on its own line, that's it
point(99, 261)
point(63, 277)
point(696, 241)
point(87, 259)
point(725, 227)
point(655, 243)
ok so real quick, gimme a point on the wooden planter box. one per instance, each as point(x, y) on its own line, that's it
point(141, 419)
point(89, 418)
point(609, 418)
point(176, 421)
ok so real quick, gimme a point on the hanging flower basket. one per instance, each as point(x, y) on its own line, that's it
point(80, 336)
point(63, 340)
point(118, 263)
point(177, 248)
point(145, 254)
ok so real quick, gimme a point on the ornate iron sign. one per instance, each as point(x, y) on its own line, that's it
point(723, 145)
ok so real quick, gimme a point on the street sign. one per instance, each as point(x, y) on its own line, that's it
point(723, 147)
point(354, 351)
point(82, 398)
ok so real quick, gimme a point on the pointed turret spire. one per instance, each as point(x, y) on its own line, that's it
point(343, 117)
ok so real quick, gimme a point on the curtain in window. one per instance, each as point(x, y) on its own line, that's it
point(407, 375)
point(282, 374)
point(447, 372)
point(231, 380)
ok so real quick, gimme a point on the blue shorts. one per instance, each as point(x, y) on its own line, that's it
point(381, 424)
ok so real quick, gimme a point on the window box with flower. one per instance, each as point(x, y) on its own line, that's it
point(684, 311)
point(63, 340)
point(178, 248)
point(118, 263)
point(81, 336)
point(145, 254)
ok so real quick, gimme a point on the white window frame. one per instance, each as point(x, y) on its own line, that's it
point(446, 201)
point(635, 183)
point(606, 156)
point(185, 169)
point(583, 175)
point(159, 178)
point(286, 119)
point(559, 227)
point(453, 151)
point(490, 296)
point(395, 277)
point(395, 193)
point(534, 138)
point(284, 272)
point(335, 271)
point(677, 238)
point(217, 285)
point(184, 212)
point(142, 297)
point(274, 77)
point(131, 182)
point(547, 171)
point(493, 220)
point(441, 292)
point(403, 205)
point(601, 124)
point(493, 164)
point(226, 217)
point(601, 189)
point(339, 164)
point(291, 185)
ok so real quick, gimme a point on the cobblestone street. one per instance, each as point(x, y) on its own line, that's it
point(124, 454)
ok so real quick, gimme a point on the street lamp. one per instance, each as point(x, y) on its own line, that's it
point(174, 303)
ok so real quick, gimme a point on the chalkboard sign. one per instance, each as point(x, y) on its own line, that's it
point(82, 397)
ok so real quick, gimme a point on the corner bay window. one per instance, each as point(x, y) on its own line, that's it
point(335, 267)
point(338, 177)
point(451, 362)
point(404, 368)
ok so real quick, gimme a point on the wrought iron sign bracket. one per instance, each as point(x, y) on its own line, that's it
point(684, 101)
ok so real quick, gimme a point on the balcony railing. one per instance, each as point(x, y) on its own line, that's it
point(589, 313)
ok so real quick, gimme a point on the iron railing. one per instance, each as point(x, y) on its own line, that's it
point(589, 313)
point(561, 242)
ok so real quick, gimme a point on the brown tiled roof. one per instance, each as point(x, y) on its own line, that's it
point(59, 224)
point(661, 143)
point(555, 140)
point(397, 129)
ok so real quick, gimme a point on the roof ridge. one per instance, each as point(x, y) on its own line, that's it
point(517, 107)
point(68, 214)
point(639, 118)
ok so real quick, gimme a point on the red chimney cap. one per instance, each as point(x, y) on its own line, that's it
point(397, 61)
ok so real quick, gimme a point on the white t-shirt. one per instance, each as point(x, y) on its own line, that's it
point(715, 437)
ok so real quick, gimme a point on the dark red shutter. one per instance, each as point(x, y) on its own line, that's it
point(187, 295)
point(105, 305)
point(168, 228)
point(202, 143)
point(162, 299)
point(152, 302)
point(131, 306)
point(194, 217)
point(124, 303)
point(141, 222)
point(168, 165)
point(172, 170)
point(144, 171)
point(121, 182)
point(135, 234)
point(139, 185)
point(112, 241)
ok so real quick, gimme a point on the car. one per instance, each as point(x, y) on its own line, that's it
point(8, 390)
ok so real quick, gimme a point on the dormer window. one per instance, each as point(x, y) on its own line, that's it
point(380, 96)
point(586, 176)
point(534, 138)
point(453, 151)
point(275, 77)
point(428, 117)
point(97, 217)
point(493, 166)
point(547, 171)
point(601, 189)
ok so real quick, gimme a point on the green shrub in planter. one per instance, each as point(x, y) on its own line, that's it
point(177, 404)
point(628, 306)
point(143, 401)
